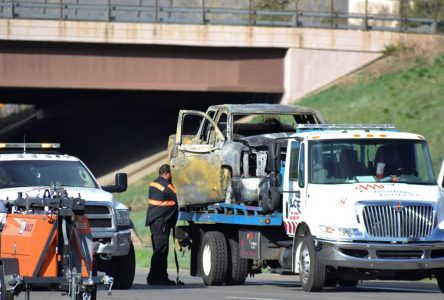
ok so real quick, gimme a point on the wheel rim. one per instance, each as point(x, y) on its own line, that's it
point(206, 260)
point(304, 264)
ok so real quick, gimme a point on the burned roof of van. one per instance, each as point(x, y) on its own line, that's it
point(262, 108)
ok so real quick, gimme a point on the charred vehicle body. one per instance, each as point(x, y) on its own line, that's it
point(232, 157)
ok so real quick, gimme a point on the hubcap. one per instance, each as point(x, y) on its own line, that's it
point(206, 260)
point(304, 264)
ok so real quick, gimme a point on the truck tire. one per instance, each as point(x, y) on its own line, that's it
point(273, 200)
point(311, 271)
point(4, 294)
point(214, 258)
point(237, 266)
point(263, 201)
point(123, 270)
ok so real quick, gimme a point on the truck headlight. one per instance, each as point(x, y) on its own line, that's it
point(122, 217)
point(335, 232)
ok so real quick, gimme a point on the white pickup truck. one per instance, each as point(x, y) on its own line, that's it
point(34, 170)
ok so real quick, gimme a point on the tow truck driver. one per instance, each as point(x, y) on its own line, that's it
point(161, 217)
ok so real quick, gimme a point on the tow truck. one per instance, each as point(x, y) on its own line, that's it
point(357, 202)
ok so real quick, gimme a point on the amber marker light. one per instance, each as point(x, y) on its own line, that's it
point(356, 135)
point(267, 221)
point(383, 135)
point(370, 135)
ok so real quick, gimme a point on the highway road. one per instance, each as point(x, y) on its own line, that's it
point(261, 287)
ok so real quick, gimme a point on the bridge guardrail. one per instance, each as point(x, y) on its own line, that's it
point(247, 14)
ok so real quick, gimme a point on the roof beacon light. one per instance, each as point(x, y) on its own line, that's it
point(301, 127)
point(30, 145)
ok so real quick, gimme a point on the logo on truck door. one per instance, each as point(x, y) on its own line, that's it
point(295, 205)
point(294, 211)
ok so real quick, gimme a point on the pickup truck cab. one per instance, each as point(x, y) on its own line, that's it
point(36, 170)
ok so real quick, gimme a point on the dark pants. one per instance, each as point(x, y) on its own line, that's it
point(160, 234)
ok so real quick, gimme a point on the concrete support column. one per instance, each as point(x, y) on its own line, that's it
point(307, 70)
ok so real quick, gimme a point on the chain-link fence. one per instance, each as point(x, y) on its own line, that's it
point(392, 15)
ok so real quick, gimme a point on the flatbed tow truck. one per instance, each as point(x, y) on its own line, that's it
point(357, 202)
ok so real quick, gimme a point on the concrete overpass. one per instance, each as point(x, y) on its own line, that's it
point(111, 91)
point(156, 57)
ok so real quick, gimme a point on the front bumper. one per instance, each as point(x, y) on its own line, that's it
point(380, 256)
point(112, 243)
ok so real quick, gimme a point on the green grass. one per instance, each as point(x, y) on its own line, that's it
point(143, 257)
point(411, 98)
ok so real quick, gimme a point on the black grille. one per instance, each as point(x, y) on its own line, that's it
point(100, 223)
point(96, 210)
point(399, 254)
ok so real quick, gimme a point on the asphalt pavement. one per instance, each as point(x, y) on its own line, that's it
point(261, 287)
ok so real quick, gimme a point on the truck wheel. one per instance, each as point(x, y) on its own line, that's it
point(273, 199)
point(263, 201)
point(123, 269)
point(214, 258)
point(311, 271)
point(4, 294)
point(237, 266)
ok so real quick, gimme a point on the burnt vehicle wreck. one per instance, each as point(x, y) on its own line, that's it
point(232, 153)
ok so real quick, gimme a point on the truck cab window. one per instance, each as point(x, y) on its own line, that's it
point(294, 159)
point(301, 168)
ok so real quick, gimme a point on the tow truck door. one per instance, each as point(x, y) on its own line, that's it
point(441, 176)
point(293, 186)
point(196, 166)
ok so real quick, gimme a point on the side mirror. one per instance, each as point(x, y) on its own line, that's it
point(120, 186)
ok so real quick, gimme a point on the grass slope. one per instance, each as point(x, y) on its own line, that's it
point(412, 98)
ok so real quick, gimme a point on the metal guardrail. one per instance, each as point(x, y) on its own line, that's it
point(160, 12)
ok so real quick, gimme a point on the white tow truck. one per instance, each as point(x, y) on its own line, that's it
point(38, 170)
point(358, 202)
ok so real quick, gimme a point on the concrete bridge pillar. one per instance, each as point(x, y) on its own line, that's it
point(307, 70)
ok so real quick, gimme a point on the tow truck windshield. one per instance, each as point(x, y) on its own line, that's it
point(370, 160)
point(44, 173)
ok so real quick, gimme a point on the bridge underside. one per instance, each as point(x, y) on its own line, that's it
point(141, 67)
